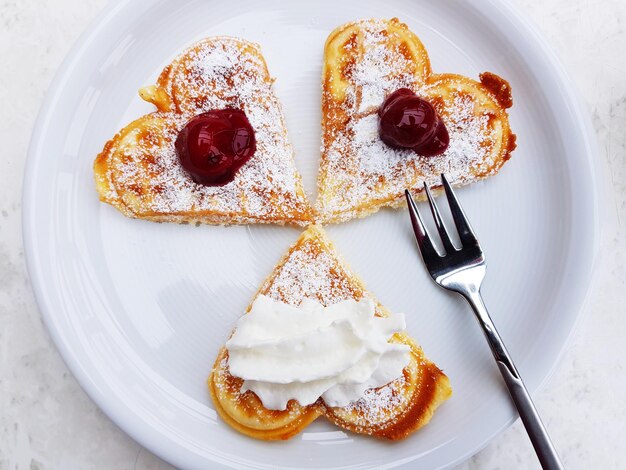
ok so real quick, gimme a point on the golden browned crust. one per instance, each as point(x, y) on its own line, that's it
point(139, 174)
point(245, 412)
point(498, 87)
point(475, 112)
point(422, 389)
point(390, 412)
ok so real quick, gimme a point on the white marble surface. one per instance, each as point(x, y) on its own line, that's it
point(47, 421)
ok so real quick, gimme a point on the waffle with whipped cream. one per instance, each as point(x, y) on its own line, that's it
point(364, 62)
point(139, 173)
point(311, 269)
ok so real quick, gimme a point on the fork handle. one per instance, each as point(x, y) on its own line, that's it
point(530, 417)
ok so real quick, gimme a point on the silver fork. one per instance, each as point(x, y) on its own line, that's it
point(462, 270)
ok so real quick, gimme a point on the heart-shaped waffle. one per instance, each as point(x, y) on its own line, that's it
point(311, 269)
point(364, 62)
point(139, 173)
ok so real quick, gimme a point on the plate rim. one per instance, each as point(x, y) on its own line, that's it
point(140, 431)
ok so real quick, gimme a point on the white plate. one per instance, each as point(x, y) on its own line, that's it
point(139, 310)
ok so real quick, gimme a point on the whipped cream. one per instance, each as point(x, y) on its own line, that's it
point(284, 352)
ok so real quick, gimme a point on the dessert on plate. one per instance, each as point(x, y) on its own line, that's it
point(389, 123)
point(315, 342)
point(216, 149)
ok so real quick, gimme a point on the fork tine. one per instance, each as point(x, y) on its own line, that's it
point(441, 228)
point(466, 234)
point(421, 235)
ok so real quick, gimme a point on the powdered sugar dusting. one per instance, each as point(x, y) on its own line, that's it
point(315, 274)
point(215, 74)
point(467, 132)
point(378, 404)
point(373, 162)
point(379, 69)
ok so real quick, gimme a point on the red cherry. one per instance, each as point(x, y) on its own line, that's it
point(392, 98)
point(438, 144)
point(214, 145)
point(408, 121)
